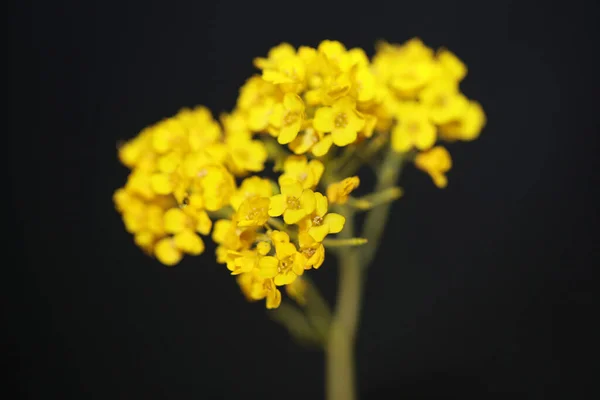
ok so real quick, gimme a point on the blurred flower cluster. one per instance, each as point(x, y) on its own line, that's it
point(308, 112)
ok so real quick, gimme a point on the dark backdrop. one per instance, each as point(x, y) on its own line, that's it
point(480, 290)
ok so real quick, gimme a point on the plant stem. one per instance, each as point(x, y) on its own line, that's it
point(339, 353)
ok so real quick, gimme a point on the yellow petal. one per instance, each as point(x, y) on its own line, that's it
point(299, 264)
point(284, 250)
point(293, 189)
point(343, 137)
point(323, 146)
point(188, 242)
point(335, 221)
point(317, 168)
point(277, 205)
point(321, 204)
point(221, 230)
point(319, 232)
point(268, 266)
point(203, 223)
point(161, 183)
point(307, 201)
point(175, 220)
point(289, 132)
point(400, 140)
point(273, 299)
point(279, 237)
point(263, 248)
point(293, 216)
point(426, 137)
point(293, 102)
point(166, 252)
point(323, 120)
point(285, 278)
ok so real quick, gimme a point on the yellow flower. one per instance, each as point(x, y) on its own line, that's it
point(451, 66)
point(218, 186)
point(294, 203)
point(297, 291)
point(321, 223)
point(259, 115)
point(341, 119)
point(279, 237)
point(246, 155)
point(285, 267)
point(283, 68)
point(228, 234)
point(443, 101)
point(414, 129)
point(436, 162)
point(133, 152)
point(287, 118)
point(254, 92)
point(247, 260)
point(169, 251)
point(140, 183)
point(338, 192)
point(253, 186)
point(364, 84)
point(299, 169)
point(169, 135)
point(253, 212)
point(317, 142)
point(467, 127)
point(311, 249)
point(255, 287)
point(407, 68)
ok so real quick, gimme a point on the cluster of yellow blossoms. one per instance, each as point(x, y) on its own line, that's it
point(191, 175)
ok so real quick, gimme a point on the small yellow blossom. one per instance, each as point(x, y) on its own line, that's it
point(299, 169)
point(436, 162)
point(287, 118)
point(443, 101)
point(247, 260)
point(313, 250)
point(338, 192)
point(321, 223)
point(341, 119)
point(467, 127)
point(414, 129)
point(318, 143)
point(255, 287)
point(228, 234)
point(253, 186)
point(294, 203)
point(218, 186)
point(285, 266)
point(253, 212)
point(246, 155)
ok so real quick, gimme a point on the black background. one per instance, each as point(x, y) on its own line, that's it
point(479, 290)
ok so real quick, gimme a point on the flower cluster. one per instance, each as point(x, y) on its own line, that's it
point(192, 175)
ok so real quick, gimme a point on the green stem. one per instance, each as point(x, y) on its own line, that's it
point(339, 355)
point(388, 174)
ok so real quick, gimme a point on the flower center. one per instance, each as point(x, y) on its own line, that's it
point(293, 203)
point(318, 220)
point(285, 264)
point(309, 252)
point(290, 117)
point(341, 120)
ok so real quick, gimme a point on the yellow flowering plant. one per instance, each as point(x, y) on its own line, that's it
point(314, 117)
